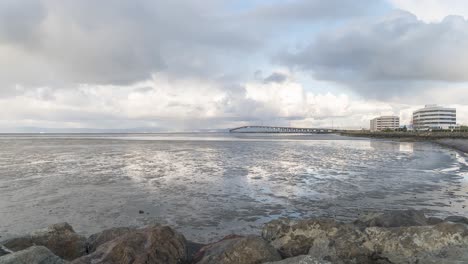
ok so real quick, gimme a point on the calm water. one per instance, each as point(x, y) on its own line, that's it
point(210, 185)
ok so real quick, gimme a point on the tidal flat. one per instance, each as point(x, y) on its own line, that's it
point(214, 184)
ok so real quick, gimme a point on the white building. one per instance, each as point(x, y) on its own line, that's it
point(434, 117)
point(385, 122)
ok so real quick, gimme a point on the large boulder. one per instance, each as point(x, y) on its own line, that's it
point(32, 255)
point(193, 249)
point(60, 238)
point(434, 220)
point(95, 240)
point(450, 255)
point(457, 219)
point(153, 244)
point(293, 238)
point(411, 244)
point(238, 250)
point(303, 259)
point(395, 218)
point(324, 239)
point(4, 250)
point(328, 240)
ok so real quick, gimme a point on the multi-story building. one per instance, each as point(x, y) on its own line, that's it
point(385, 122)
point(434, 117)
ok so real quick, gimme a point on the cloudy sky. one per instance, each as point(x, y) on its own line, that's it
point(177, 65)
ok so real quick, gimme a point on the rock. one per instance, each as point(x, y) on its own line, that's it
point(434, 220)
point(345, 243)
point(457, 219)
point(4, 251)
point(395, 218)
point(323, 239)
point(238, 250)
point(410, 244)
point(293, 238)
point(303, 259)
point(60, 238)
point(192, 249)
point(95, 240)
point(32, 255)
point(153, 244)
point(451, 255)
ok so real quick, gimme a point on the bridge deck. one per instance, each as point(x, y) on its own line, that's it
point(273, 129)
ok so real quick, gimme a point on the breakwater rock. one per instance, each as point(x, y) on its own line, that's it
point(388, 237)
point(60, 238)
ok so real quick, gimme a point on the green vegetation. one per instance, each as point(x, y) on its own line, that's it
point(403, 129)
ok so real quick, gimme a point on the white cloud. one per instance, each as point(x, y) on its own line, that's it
point(180, 104)
point(292, 102)
point(433, 10)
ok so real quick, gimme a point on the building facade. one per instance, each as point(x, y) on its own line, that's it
point(433, 117)
point(385, 122)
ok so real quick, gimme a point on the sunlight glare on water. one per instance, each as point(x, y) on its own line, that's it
point(210, 185)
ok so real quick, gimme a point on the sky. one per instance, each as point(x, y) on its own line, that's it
point(190, 65)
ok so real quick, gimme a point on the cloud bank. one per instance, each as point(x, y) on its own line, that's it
point(388, 56)
point(187, 64)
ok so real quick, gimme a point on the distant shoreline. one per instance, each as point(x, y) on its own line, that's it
point(455, 140)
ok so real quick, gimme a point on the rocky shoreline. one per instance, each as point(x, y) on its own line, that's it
point(389, 237)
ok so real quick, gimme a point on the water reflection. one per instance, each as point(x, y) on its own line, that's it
point(208, 188)
point(407, 147)
point(392, 146)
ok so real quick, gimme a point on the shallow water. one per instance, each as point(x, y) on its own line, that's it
point(210, 185)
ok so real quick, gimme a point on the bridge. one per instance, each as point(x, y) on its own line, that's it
point(274, 129)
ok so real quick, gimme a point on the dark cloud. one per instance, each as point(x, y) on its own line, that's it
point(18, 21)
point(276, 77)
point(300, 10)
point(52, 42)
point(388, 56)
point(63, 42)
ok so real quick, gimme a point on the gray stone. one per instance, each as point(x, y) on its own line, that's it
point(303, 259)
point(192, 249)
point(345, 243)
point(32, 255)
point(323, 239)
point(411, 244)
point(450, 255)
point(95, 240)
point(395, 218)
point(154, 244)
point(457, 219)
point(60, 238)
point(434, 220)
point(293, 238)
point(4, 251)
point(238, 250)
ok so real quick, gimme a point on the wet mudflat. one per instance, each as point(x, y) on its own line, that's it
point(210, 185)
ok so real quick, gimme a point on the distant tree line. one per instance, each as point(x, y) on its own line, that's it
point(462, 128)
